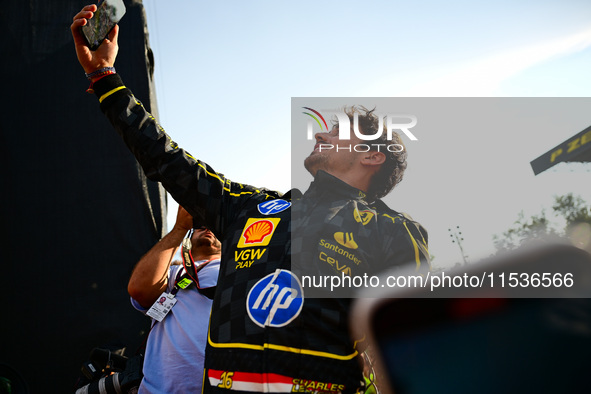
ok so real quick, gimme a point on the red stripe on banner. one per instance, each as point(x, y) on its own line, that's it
point(212, 373)
point(252, 377)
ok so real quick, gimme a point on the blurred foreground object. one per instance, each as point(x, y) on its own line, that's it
point(487, 339)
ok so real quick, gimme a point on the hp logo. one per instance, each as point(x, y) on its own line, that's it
point(275, 300)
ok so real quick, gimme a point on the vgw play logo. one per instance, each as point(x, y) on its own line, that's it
point(393, 124)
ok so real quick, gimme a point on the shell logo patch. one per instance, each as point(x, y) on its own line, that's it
point(258, 232)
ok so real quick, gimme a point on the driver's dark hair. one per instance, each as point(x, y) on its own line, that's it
point(392, 170)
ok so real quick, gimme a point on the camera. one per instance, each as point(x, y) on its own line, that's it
point(11, 381)
point(108, 371)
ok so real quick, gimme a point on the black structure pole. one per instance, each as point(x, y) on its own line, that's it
point(77, 212)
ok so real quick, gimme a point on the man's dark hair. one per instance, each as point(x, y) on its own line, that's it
point(392, 170)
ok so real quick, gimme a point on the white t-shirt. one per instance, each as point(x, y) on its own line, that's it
point(175, 350)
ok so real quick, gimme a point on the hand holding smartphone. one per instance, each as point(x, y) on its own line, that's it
point(107, 15)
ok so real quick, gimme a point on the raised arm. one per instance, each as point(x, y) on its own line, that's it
point(208, 196)
point(150, 275)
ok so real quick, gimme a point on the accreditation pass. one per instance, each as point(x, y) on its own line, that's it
point(162, 306)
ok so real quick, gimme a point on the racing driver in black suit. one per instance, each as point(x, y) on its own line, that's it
point(265, 334)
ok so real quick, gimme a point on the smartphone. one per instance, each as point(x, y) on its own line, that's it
point(107, 15)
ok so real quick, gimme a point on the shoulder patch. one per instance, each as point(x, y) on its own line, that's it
point(273, 206)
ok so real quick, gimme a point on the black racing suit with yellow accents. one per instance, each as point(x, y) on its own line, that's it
point(265, 334)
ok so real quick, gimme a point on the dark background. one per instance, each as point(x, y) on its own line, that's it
point(77, 211)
